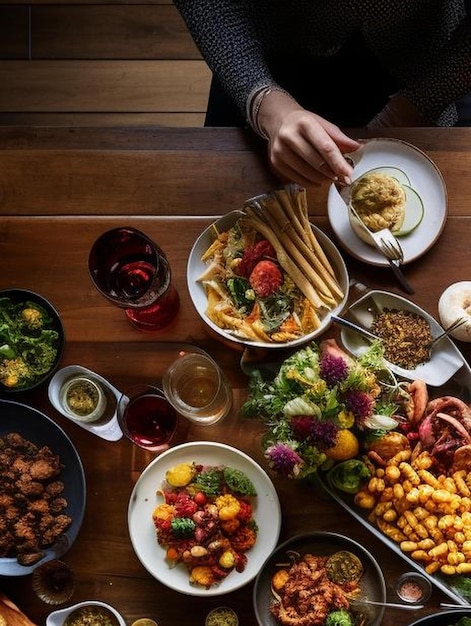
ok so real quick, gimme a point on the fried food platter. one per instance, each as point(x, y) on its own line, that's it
point(42, 431)
point(458, 386)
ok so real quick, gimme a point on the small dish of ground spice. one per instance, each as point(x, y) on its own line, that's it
point(405, 330)
point(413, 588)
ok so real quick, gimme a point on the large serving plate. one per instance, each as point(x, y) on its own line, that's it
point(267, 514)
point(42, 431)
point(197, 291)
point(426, 180)
point(445, 359)
point(320, 544)
point(460, 386)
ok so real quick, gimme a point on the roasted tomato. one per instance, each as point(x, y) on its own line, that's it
point(266, 278)
point(254, 254)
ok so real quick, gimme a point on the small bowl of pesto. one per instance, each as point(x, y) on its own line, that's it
point(31, 340)
point(88, 613)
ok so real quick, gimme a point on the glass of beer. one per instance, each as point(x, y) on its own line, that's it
point(197, 388)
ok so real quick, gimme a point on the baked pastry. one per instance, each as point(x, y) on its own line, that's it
point(10, 614)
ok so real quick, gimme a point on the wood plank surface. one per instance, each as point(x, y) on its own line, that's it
point(104, 86)
point(186, 120)
point(143, 172)
point(14, 32)
point(48, 252)
point(110, 32)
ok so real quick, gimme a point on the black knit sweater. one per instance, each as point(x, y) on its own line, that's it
point(424, 44)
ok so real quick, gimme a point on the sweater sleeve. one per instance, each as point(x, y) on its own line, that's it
point(225, 35)
point(443, 79)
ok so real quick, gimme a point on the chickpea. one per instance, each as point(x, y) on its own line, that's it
point(392, 473)
point(409, 472)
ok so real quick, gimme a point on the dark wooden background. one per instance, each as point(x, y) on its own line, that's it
point(102, 63)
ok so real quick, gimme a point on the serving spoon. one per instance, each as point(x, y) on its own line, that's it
point(389, 605)
point(342, 321)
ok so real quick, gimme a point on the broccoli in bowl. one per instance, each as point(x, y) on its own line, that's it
point(31, 339)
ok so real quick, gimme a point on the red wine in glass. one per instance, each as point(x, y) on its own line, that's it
point(131, 271)
point(147, 418)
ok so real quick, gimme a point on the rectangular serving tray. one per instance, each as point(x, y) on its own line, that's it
point(459, 386)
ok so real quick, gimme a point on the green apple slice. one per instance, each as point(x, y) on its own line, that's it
point(413, 213)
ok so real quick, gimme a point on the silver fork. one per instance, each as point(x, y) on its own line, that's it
point(389, 247)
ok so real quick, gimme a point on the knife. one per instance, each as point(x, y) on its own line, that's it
point(364, 332)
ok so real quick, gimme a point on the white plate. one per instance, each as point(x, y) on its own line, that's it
point(425, 178)
point(143, 501)
point(197, 291)
point(446, 359)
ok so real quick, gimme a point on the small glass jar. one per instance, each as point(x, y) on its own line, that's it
point(83, 398)
point(222, 616)
point(413, 588)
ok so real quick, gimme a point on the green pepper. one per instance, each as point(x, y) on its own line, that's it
point(7, 351)
point(349, 476)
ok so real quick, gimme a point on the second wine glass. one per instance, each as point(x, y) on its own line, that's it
point(132, 271)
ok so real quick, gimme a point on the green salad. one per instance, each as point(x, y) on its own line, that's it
point(28, 343)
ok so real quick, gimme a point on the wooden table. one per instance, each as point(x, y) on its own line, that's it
point(59, 189)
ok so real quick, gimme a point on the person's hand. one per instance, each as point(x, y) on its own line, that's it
point(398, 111)
point(302, 146)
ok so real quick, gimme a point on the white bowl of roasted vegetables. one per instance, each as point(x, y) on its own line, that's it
point(264, 276)
point(203, 517)
point(31, 340)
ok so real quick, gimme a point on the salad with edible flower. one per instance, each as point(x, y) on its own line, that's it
point(320, 405)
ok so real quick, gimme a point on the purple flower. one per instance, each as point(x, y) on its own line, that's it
point(322, 434)
point(284, 460)
point(333, 369)
point(359, 403)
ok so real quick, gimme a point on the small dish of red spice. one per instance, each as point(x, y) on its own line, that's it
point(413, 588)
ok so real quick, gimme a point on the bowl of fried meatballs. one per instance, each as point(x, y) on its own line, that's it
point(43, 491)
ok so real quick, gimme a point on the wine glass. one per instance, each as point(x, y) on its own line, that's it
point(197, 388)
point(132, 271)
point(147, 418)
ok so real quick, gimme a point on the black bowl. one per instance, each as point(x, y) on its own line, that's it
point(322, 544)
point(18, 296)
point(443, 618)
point(43, 431)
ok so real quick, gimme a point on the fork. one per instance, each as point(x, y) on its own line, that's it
point(389, 247)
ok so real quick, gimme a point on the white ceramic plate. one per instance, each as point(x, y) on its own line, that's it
point(196, 267)
point(323, 544)
point(425, 178)
point(143, 501)
point(446, 359)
